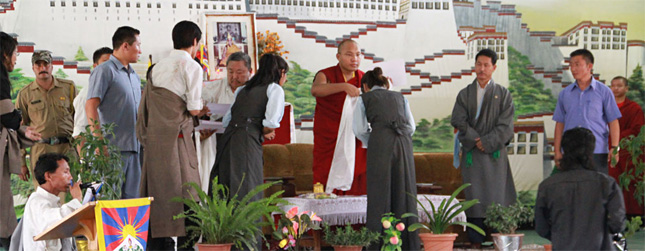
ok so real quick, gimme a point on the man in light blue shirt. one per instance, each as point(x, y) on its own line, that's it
point(590, 104)
point(113, 97)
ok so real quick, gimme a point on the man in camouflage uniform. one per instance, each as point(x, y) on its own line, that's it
point(46, 104)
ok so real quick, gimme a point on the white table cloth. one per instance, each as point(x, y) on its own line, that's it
point(352, 209)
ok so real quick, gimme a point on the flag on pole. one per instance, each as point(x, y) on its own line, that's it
point(122, 224)
point(202, 55)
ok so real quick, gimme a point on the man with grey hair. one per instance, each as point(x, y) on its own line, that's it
point(238, 71)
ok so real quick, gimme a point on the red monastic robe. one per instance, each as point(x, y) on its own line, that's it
point(630, 124)
point(326, 123)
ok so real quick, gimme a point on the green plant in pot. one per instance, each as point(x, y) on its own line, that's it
point(348, 239)
point(506, 219)
point(440, 218)
point(225, 218)
point(105, 167)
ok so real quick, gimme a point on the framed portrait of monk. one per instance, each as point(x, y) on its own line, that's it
point(227, 34)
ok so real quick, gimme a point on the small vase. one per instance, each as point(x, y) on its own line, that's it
point(214, 247)
point(507, 242)
point(437, 242)
point(347, 248)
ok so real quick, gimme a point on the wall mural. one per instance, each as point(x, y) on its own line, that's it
point(436, 39)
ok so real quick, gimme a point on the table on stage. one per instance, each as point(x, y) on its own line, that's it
point(352, 209)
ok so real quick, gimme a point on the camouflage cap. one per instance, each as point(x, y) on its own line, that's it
point(41, 56)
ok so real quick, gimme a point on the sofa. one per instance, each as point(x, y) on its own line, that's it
point(292, 163)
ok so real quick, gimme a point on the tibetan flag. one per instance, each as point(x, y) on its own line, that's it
point(202, 55)
point(122, 224)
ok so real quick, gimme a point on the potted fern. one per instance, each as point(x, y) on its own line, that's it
point(348, 239)
point(225, 220)
point(506, 219)
point(440, 218)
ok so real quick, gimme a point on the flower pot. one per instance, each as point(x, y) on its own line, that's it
point(548, 247)
point(214, 247)
point(507, 242)
point(347, 248)
point(437, 242)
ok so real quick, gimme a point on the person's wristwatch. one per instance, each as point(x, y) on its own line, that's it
point(615, 147)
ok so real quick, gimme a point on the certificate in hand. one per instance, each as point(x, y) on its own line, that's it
point(210, 125)
point(218, 108)
point(395, 69)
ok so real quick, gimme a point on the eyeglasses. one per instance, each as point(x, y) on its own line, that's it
point(16, 53)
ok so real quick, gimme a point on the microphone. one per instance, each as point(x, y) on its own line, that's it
point(88, 184)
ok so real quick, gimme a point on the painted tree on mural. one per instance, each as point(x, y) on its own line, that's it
point(297, 90)
point(80, 55)
point(529, 95)
point(637, 86)
point(60, 74)
point(433, 137)
point(18, 81)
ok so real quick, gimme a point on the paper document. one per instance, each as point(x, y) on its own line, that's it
point(210, 125)
point(218, 108)
point(395, 69)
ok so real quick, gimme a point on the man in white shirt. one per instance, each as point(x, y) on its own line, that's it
point(43, 209)
point(164, 127)
point(238, 67)
point(80, 119)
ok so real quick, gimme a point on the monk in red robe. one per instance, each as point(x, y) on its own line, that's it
point(630, 124)
point(330, 87)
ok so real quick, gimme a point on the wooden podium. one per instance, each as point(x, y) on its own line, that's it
point(80, 222)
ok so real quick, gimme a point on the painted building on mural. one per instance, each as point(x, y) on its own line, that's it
point(635, 55)
point(436, 41)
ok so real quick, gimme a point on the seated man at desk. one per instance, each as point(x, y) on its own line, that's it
point(43, 209)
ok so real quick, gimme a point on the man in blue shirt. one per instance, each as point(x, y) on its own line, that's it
point(590, 104)
point(113, 97)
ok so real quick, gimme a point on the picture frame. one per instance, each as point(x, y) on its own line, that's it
point(226, 34)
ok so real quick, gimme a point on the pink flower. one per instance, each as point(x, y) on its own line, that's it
point(315, 217)
point(400, 226)
point(292, 212)
point(285, 230)
point(394, 240)
point(295, 226)
point(292, 241)
point(386, 224)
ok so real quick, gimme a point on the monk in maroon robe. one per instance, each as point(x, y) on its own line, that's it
point(330, 87)
point(630, 124)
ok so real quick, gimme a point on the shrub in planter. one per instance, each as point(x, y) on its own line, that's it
point(347, 236)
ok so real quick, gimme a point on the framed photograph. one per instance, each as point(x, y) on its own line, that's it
point(227, 34)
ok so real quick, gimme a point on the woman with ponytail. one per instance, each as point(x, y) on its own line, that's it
point(391, 179)
point(11, 139)
point(579, 208)
point(253, 117)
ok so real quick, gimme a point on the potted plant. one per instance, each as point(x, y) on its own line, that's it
point(506, 219)
point(392, 228)
point(293, 225)
point(227, 220)
point(440, 218)
point(348, 239)
point(105, 167)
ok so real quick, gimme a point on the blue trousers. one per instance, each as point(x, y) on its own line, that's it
point(132, 172)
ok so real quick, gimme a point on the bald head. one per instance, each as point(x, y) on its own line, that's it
point(344, 43)
point(349, 56)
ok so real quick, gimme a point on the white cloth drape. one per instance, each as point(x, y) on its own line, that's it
point(341, 173)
